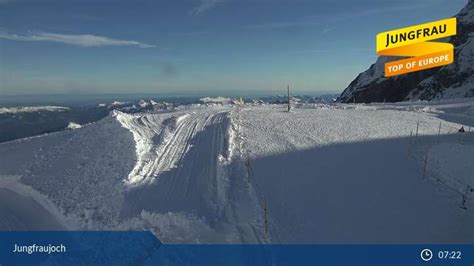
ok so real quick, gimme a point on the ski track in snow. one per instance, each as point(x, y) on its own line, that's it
point(162, 140)
point(183, 166)
point(189, 182)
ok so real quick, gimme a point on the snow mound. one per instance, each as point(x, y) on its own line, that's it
point(216, 100)
point(80, 171)
point(155, 137)
point(73, 125)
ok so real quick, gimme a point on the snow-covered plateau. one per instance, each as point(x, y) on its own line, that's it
point(230, 173)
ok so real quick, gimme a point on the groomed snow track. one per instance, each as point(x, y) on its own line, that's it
point(326, 174)
point(184, 166)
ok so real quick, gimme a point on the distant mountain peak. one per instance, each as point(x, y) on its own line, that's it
point(451, 81)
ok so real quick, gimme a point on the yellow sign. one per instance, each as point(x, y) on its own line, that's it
point(414, 42)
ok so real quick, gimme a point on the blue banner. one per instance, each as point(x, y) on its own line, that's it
point(327, 255)
point(143, 248)
point(77, 248)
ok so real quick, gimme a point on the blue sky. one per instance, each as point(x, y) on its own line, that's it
point(196, 46)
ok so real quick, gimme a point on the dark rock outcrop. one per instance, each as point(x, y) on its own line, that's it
point(451, 81)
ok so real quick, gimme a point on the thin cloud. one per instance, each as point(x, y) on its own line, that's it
point(205, 5)
point(326, 30)
point(83, 40)
point(317, 21)
point(283, 25)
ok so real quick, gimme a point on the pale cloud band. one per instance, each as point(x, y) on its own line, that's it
point(204, 6)
point(84, 40)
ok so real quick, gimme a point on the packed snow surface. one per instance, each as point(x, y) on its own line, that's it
point(73, 125)
point(219, 99)
point(270, 130)
point(203, 174)
point(344, 176)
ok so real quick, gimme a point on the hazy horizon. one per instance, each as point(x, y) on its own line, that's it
point(91, 99)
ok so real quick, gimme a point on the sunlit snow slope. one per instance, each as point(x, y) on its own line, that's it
point(206, 174)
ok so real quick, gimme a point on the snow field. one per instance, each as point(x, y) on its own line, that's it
point(327, 174)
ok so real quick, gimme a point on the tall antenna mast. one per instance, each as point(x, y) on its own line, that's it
point(289, 106)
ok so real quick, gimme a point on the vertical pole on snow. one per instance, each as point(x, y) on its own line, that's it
point(465, 197)
point(463, 203)
point(439, 131)
point(289, 105)
point(425, 165)
point(240, 135)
